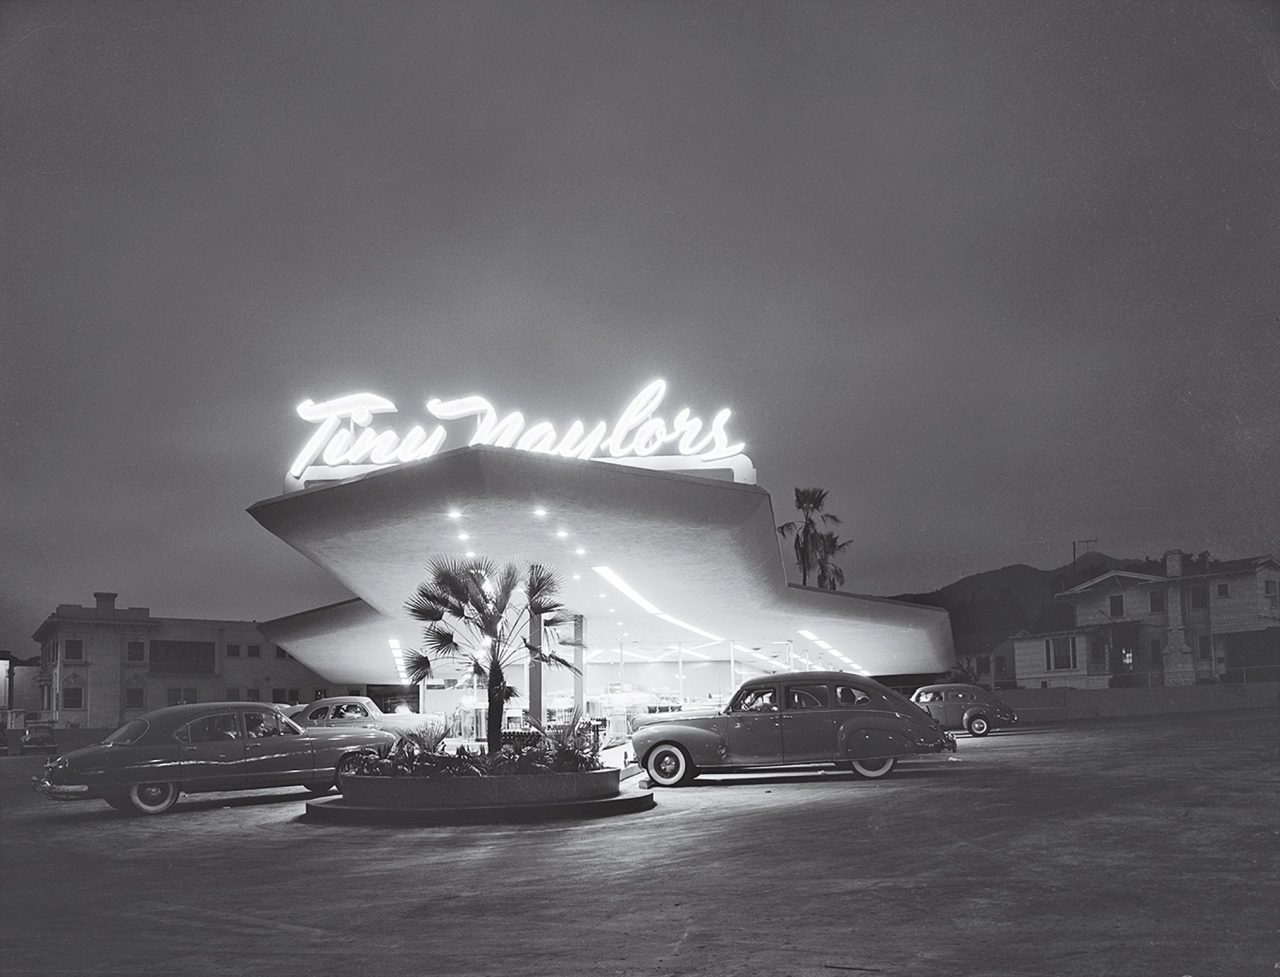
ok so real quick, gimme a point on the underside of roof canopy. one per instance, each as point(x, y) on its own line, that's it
point(652, 560)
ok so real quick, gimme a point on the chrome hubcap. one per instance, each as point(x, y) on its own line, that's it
point(668, 765)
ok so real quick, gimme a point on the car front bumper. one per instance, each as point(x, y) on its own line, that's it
point(60, 792)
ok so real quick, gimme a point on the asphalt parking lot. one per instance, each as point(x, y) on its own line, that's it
point(1134, 848)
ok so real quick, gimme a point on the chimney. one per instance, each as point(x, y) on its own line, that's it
point(1173, 563)
point(106, 602)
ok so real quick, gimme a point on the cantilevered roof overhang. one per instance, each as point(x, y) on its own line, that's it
point(689, 560)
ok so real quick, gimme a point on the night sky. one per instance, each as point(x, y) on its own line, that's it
point(1000, 276)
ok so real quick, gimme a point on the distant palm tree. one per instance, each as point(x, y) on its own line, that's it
point(808, 538)
point(830, 576)
point(479, 612)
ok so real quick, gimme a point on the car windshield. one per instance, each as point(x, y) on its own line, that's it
point(129, 733)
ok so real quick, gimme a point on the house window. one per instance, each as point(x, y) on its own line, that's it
point(233, 651)
point(293, 695)
point(1223, 590)
point(1059, 653)
point(135, 698)
point(178, 697)
point(73, 651)
point(281, 653)
point(321, 694)
point(1117, 605)
point(72, 697)
point(277, 695)
point(252, 695)
point(253, 651)
point(1157, 602)
point(1272, 588)
point(233, 694)
point(1155, 651)
point(135, 651)
point(1199, 596)
point(182, 657)
point(1205, 649)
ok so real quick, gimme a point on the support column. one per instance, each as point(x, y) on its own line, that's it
point(535, 708)
point(579, 651)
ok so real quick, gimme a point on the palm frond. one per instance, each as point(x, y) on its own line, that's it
point(417, 666)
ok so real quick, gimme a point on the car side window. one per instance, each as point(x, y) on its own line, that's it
point(807, 697)
point(317, 714)
point(848, 696)
point(929, 697)
point(961, 696)
point(211, 729)
point(757, 700)
point(260, 724)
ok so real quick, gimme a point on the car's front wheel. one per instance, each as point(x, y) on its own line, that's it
point(668, 765)
point(346, 767)
point(153, 798)
point(978, 726)
point(874, 769)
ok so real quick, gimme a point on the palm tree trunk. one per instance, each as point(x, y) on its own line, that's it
point(497, 705)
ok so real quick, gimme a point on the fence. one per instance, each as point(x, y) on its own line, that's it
point(1059, 705)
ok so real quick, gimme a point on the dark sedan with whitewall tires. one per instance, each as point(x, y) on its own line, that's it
point(148, 762)
point(786, 720)
point(970, 707)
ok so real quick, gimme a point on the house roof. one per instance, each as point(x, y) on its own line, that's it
point(687, 560)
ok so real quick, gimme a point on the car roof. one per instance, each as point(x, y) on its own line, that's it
point(330, 700)
point(953, 685)
point(177, 715)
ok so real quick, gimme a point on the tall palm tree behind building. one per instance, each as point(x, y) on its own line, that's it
point(808, 537)
point(830, 576)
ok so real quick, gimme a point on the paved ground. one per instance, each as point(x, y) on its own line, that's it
point(1134, 848)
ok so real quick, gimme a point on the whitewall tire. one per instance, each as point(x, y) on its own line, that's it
point(155, 798)
point(875, 769)
point(978, 726)
point(668, 765)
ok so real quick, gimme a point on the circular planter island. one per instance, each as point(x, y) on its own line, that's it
point(480, 800)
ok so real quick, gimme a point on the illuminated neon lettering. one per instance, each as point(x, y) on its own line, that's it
point(346, 442)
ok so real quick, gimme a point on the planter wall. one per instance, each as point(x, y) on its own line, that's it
point(449, 792)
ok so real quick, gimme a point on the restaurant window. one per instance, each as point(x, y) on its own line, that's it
point(253, 651)
point(135, 651)
point(1060, 653)
point(1223, 590)
point(72, 697)
point(135, 698)
point(1117, 605)
point(73, 650)
point(1199, 597)
point(1157, 602)
point(233, 651)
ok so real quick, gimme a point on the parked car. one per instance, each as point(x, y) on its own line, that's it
point(968, 707)
point(38, 739)
point(358, 711)
point(144, 765)
point(789, 719)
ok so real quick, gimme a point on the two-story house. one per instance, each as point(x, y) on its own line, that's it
point(1201, 620)
point(102, 665)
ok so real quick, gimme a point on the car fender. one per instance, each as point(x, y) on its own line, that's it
point(706, 747)
point(979, 710)
point(884, 734)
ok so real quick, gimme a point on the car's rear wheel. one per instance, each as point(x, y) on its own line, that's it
point(874, 769)
point(978, 726)
point(346, 767)
point(668, 765)
point(154, 798)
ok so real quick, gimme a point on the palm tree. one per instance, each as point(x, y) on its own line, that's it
point(830, 576)
point(808, 537)
point(478, 612)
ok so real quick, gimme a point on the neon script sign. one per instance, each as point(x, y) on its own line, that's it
point(346, 443)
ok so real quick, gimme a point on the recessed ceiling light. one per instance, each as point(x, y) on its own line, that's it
point(580, 551)
point(599, 595)
point(540, 512)
point(471, 553)
point(463, 536)
point(455, 514)
point(577, 576)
